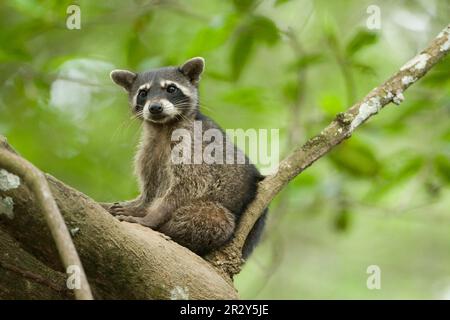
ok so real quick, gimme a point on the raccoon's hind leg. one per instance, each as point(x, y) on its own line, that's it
point(200, 226)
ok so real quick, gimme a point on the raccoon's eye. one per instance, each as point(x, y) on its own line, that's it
point(171, 88)
point(142, 94)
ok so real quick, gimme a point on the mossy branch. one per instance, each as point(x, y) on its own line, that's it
point(37, 182)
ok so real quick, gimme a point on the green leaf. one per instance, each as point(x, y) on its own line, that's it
point(264, 29)
point(257, 28)
point(280, 2)
point(330, 32)
point(342, 220)
point(438, 76)
point(291, 90)
point(248, 97)
point(406, 166)
point(364, 68)
point(442, 165)
point(306, 179)
point(331, 104)
point(356, 159)
point(240, 54)
point(361, 39)
point(308, 60)
point(213, 35)
point(244, 5)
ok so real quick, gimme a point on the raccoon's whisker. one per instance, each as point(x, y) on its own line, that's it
point(136, 116)
point(137, 131)
point(185, 118)
point(116, 131)
point(182, 99)
point(183, 104)
point(187, 107)
point(206, 107)
point(201, 105)
point(124, 126)
point(188, 101)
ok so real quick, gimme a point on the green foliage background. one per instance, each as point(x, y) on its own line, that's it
point(381, 198)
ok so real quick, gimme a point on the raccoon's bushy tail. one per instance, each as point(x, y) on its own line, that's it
point(254, 235)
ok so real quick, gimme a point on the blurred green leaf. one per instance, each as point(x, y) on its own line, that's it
point(280, 2)
point(256, 29)
point(439, 75)
point(136, 46)
point(404, 167)
point(264, 29)
point(442, 165)
point(213, 36)
point(342, 220)
point(364, 68)
point(240, 54)
point(308, 60)
point(433, 188)
point(355, 158)
point(360, 40)
point(331, 104)
point(291, 90)
point(306, 179)
point(330, 32)
point(244, 5)
point(249, 97)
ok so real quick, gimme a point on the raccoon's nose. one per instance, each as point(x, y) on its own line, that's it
point(156, 108)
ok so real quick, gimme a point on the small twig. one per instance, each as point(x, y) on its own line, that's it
point(37, 182)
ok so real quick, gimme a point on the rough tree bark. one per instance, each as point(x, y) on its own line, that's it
point(125, 260)
point(37, 182)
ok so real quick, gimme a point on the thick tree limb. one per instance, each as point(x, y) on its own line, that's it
point(340, 129)
point(125, 260)
point(122, 260)
point(37, 182)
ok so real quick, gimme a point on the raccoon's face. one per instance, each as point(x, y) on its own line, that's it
point(163, 95)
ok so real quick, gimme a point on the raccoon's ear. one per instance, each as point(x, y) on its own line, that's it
point(193, 68)
point(123, 78)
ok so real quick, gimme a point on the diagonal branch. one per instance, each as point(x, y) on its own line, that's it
point(38, 184)
point(228, 258)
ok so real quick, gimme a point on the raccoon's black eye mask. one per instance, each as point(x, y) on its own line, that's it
point(142, 94)
point(172, 88)
point(140, 99)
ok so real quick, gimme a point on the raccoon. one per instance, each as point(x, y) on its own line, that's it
point(196, 205)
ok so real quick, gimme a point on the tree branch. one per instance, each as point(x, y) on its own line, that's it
point(338, 130)
point(38, 184)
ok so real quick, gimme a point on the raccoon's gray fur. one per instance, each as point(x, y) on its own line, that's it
point(197, 205)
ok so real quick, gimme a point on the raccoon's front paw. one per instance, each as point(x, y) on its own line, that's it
point(116, 209)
